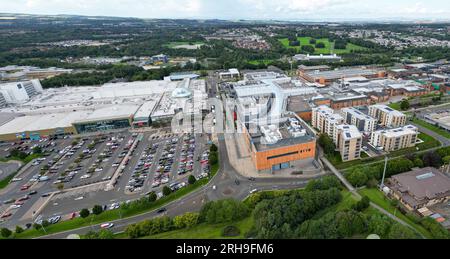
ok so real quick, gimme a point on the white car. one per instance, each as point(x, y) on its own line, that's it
point(98, 169)
point(15, 206)
point(107, 225)
point(79, 198)
point(16, 179)
point(86, 176)
point(253, 191)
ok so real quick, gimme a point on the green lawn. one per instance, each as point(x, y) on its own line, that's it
point(263, 61)
point(206, 231)
point(395, 106)
point(381, 200)
point(432, 127)
point(329, 46)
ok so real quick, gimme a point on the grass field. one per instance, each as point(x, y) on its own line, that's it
point(181, 43)
point(329, 46)
point(206, 231)
point(432, 127)
point(264, 61)
point(381, 200)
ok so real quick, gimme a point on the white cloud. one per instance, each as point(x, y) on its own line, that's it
point(232, 9)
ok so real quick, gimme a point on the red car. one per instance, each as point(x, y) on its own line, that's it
point(6, 215)
point(24, 198)
point(25, 187)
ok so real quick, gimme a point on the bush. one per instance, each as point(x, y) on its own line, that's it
point(213, 148)
point(5, 232)
point(320, 45)
point(97, 210)
point(294, 43)
point(166, 190)
point(361, 205)
point(312, 41)
point(191, 179)
point(372, 183)
point(19, 230)
point(84, 213)
point(152, 197)
point(357, 178)
point(222, 211)
point(231, 231)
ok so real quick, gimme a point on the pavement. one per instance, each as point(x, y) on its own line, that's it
point(8, 168)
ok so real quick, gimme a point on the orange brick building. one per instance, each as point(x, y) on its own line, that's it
point(269, 158)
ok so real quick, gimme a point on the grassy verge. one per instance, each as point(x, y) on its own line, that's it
point(381, 200)
point(206, 231)
point(116, 214)
point(432, 127)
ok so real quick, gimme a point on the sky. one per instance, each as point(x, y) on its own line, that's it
point(321, 10)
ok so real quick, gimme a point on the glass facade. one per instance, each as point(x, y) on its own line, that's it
point(102, 125)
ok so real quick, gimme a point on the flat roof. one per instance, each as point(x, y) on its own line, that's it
point(342, 73)
point(425, 183)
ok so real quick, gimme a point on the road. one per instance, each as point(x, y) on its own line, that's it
point(226, 187)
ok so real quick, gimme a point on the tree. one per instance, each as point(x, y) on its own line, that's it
point(327, 144)
point(191, 179)
point(404, 105)
point(152, 197)
point(84, 213)
point(19, 230)
point(320, 45)
point(308, 48)
point(418, 162)
point(45, 223)
point(363, 204)
point(97, 210)
point(357, 178)
point(213, 158)
point(312, 41)
point(379, 224)
point(294, 43)
point(213, 148)
point(105, 234)
point(37, 150)
point(186, 220)
point(6, 232)
point(166, 190)
point(432, 159)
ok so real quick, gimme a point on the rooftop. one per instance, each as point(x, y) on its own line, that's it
point(422, 184)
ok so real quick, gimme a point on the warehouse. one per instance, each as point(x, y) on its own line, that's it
point(330, 76)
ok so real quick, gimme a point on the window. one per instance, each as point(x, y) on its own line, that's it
point(282, 155)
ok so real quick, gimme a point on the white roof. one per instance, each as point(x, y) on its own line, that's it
point(349, 131)
point(111, 112)
point(41, 122)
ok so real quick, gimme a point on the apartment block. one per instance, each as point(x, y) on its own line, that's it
point(324, 119)
point(395, 139)
point(362, 121)
point(348, 141)
point(387, 116)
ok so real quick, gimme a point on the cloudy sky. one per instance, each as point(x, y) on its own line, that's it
point(239, 9)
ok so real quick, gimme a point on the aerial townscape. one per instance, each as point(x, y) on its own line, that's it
point(186, 128)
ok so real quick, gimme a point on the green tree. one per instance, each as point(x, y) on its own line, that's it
point(191, 179)
point(152, 197)
point(404, 105)
point(357, 177)
point(97, 210)
point(320, 45)
point(363, 204)
point(327, 144)
point(37, 150)
point(84, 213)
point(187, 220)
point(213, 148)
point(105, 234)
point(379, 224)
point(19, 230)
point(166, 190)
point(6, 232)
